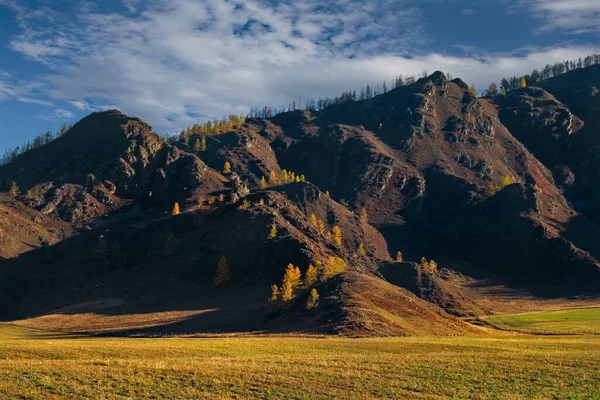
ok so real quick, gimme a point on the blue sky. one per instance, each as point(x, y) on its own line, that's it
point(175, 62)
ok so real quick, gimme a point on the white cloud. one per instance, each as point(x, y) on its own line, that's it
point(569, 16)
point(170, 61)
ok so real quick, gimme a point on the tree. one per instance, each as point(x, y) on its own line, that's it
point(175, 209)
point(263, 183)
point(336, 233)
point(506, 180)
point(361, 250)
point(272, 179)
point(503, 91)
point(273, 233)
point(63, 129)
point(434, 113)
point(221, 197)
point(364, 218)
point(313, 299)
point(327, 194)
point(244, 206)
point(14, 189)
point(334, 266)
point(274, 294)
point(473, 91)
point(310, 276)
point(290, 283)
point(313, 220)
point(302, 178)
point(492, 90)
point(523, 83)
point(227, 168)
point(399, 257)
point(221, 273)
point(429, 266)
point(321, 226)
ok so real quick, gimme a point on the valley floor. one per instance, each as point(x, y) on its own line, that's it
point(36, 364)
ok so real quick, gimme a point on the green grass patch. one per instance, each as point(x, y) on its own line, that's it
point(566, 321)
point(36, 367)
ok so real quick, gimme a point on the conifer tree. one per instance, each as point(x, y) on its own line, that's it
point(273, 233)
point(364, 218)
point(302, 178)
point(336, 233)
point(14, 189)
point(321, 227)
point(298, 179)
point(334, 266)
point(197, 146)
point(274, 294)
point(361, 250)
point(399, 257)
point(221, 197)
point(313, 220)
point(176, 210)
point(503, 91)
point(473, 91)
point(313, 299)
point(227, 168)
point(221, 273)
point(287, 292)
point(523, 83)
point(434, 113)
point(263, 183)
point(272, 179)
point(310, 276)
point(327, 194)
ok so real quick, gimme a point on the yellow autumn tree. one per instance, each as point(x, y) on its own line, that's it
point(298, 179)
point(310, 276)
point(473, 91)
point(302, 178)
point(263, 183)
point(290, 283)
point(14, 189)
point(523, 82)
point(284, 177)
point(506, 180)
point(175, 210)
point(503, 91)
point(313, 299)
point(273, 232)
point(336, 234)
point(227, 168)
point(434, 113)
point(313, 220)
point(327, 194)
point(221, 273)
point(333, 266)
point(399, 257)
point(361, 250)
point(274, 294)
point(429, 266)
point(321, 226)
point(272, 178)
point(364, 218)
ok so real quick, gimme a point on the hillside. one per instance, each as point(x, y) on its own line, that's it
point(494, 189)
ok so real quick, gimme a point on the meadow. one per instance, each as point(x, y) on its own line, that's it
point(41, 365)
point(584, 320)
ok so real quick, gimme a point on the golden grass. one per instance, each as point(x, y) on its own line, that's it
point(35, 365)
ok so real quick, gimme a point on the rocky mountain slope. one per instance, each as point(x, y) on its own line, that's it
point(492, 188)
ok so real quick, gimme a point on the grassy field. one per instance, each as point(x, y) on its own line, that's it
point(567, 321)
point(39, 365)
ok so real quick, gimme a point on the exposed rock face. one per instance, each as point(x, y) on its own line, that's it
point(104, 162)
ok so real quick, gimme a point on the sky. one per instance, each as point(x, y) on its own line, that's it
point(177, 62)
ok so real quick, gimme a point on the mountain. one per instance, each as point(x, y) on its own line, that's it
point(498, 190)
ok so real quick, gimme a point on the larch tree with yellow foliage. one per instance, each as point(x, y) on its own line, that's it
point(227, 168)
point(399, 257)
point(272, 179)
point(313, 220)
point(361, 250)
point(336, 234)
point(333, 267)
point(263, 183)
point(175, 210)
point(273, 232)
point(310, 276)
point(291, 282)
point(434, 113)
point(221, 273)
point(321, 227)
point(313, 299)
point(364, 218)
point(523, 83)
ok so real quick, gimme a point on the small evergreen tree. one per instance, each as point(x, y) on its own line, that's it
point(364, 218)
point(273, 232)
point(310, 276)
point(336, 233)
point(221, 273)
point(361, 250)
point(176, 210)
point(523, 83)
point(313, 299)
point(399, 257)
